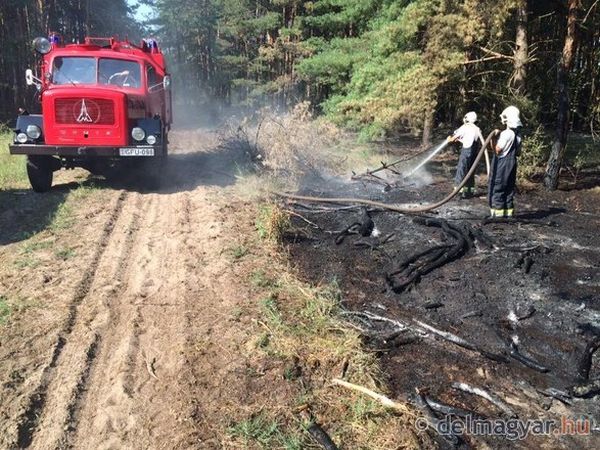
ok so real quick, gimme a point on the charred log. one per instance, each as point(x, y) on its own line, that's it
point(492, 398)
point(448, 410)
point(413, 268)
point(561, 396)
point(321, 436)
point(585, 363)
point(461, 342)
point(434, 423)
point(525, 360)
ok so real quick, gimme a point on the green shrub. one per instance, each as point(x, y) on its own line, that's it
point(534, 154)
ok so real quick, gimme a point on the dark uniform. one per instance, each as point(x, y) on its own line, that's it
point(465, 161)
point(469, 135)
point(503, 176)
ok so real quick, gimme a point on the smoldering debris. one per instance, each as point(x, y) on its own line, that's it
point(450, 321)
point(398, 173)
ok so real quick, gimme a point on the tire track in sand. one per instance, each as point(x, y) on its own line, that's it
point(73, 368)
point(135, 388)
point(30, 417)
point(109, 391)
point(76, 348)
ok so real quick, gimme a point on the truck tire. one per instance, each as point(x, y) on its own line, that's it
point(40, 171)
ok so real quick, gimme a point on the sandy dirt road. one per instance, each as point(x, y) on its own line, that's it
point(133, 354)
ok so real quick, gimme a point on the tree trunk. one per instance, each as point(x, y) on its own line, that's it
point(521, 49)
point(428, 129)
point(562, 121)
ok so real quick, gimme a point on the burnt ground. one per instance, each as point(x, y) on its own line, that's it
point(542, 268)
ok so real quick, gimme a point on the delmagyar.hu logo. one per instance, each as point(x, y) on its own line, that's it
point(512, 429)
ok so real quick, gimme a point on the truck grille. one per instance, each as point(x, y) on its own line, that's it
point(84, 111)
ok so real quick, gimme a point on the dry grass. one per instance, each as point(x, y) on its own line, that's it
point(293, 145)
point(272, 222)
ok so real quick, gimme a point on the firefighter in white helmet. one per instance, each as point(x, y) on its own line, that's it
point(503, 176)
point(469, 135)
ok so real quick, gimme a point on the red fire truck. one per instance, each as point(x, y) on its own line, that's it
point(103, 102)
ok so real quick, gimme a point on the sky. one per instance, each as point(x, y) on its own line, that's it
point(142, 12)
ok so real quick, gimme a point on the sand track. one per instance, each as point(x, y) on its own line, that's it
point(119, 373)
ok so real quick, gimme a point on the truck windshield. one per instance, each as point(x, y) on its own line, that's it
point(78, 70)
point(74, 70)
point(119, 72)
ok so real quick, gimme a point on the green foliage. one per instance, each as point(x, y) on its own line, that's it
point(265, 432)
point(5, 309)
point(333, 64)
point(12, 168)
point(534, 154)
point(377, 66)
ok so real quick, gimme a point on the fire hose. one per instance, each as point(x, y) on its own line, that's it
point(398, 208)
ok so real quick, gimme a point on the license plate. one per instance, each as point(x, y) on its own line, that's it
point(136, 151)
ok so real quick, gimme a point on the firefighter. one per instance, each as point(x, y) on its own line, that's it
point(469, 135)
point(503, 176)
point(123, 78)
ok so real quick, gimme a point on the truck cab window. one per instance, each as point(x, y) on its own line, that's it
point(119, 72)
point(73, 70)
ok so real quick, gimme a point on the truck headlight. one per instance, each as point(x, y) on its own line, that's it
point(42, 45)
point(33, 131)
point(138, 134)
point(151, 139)
point(21, 138)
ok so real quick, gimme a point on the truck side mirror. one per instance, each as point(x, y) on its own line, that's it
point(29, 77)
point(165, 84)
point(31, 80)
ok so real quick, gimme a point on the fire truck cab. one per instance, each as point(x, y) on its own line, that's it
point(103, 102)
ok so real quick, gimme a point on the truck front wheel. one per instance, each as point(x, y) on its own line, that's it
point(40, 170)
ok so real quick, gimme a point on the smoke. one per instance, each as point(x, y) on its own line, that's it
point(418, 178)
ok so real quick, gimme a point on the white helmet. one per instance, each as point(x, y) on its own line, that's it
point(511, 117)
point(470, 117)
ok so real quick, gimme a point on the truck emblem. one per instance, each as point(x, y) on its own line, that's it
point(84, 116)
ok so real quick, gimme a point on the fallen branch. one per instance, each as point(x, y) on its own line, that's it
point(385, 401)
point(461, 342)
point(559, 395)
point(389, 166)
point(400, 326)
point(525, 360)
point(492, 398)
point(447, 410)
point(321, 209)
point(434, 423)
point(319, 435)
point(301, 217)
